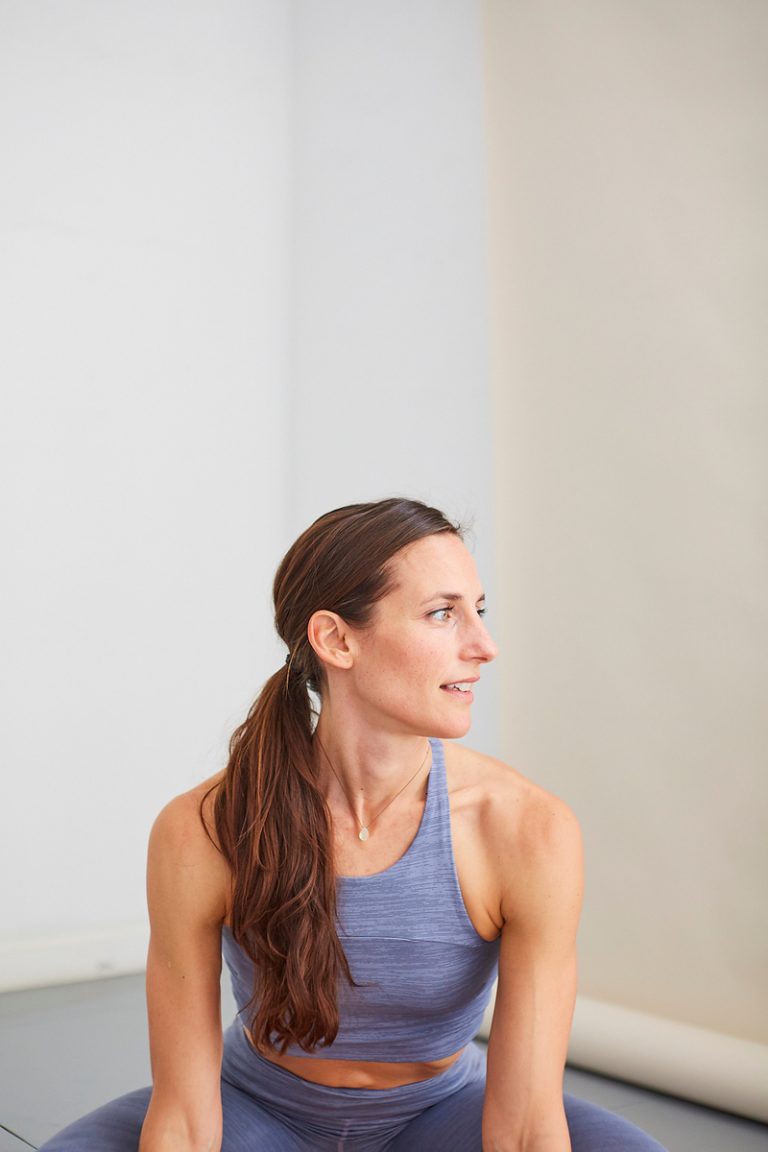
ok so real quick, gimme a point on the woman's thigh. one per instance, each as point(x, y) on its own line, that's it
point(116, 1127)
point(455, 1124)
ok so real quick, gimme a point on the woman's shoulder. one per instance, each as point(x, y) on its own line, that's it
point(513, 812)
point(194, 808)
point(188, 878)
point(186, 821)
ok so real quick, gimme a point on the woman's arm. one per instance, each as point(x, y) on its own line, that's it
point(187, 887)
point(537, 983)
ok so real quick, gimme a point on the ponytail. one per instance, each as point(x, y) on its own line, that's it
point(273, 828)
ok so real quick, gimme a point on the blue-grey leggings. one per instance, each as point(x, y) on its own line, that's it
point(267, 1109)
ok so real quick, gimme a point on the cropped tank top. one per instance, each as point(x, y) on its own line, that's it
point(423, 973)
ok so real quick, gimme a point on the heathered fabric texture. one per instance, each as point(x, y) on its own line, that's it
point(267, 1109)
point(423, 973)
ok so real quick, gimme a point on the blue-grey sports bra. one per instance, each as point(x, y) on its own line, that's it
point(423, 973)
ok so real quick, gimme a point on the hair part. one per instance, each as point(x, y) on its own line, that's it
point(271, 819)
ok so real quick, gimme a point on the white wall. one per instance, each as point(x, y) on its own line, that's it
point(630, 241)
point(143, 292)
point(243, 254)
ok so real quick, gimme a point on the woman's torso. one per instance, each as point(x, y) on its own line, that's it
point(464, 914)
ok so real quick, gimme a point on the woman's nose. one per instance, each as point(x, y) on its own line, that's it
point(491, 649)
point(483, 645)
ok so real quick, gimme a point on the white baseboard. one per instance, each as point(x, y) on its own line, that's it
point(38, 961)
point(679, 1059)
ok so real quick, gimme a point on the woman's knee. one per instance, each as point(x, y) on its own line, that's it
point(115, 1127)
point(593, 1129)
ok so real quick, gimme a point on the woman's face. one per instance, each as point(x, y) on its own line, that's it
point(417, 662)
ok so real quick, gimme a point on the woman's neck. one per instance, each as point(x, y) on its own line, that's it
point(368, 766)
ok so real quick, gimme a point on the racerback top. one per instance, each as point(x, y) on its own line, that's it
point(423, 973)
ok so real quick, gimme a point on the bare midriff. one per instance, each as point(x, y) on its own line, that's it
point(359, 1073)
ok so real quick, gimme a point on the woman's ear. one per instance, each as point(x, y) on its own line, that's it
point(331, 639)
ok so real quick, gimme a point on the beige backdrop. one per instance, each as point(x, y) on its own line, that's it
point(629, 237)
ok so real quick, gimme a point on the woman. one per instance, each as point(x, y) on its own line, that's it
point(366, 882)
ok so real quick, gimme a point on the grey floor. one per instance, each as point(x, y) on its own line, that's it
point(66, 1050)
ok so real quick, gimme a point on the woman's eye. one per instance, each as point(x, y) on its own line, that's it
point(441, 614)
point(482, 612)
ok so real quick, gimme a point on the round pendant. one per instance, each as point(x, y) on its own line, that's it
point(363, 834)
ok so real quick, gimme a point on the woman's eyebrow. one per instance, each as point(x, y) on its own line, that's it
point(451, 596)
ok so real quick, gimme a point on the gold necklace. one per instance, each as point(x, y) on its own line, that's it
point(364, 829)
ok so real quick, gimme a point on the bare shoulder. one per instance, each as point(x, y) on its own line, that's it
point(507, 799)
point(184, 860)
point(185, 825)
point(527, 832)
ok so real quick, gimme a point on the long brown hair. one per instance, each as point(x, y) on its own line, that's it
point(271, 819)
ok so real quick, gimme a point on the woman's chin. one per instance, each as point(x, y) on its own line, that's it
point(454, 728)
